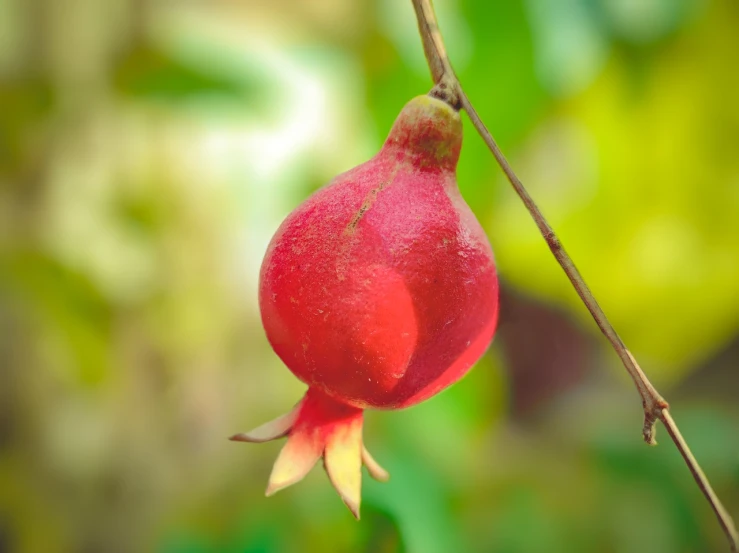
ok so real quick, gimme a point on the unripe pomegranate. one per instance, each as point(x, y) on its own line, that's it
point(379, 291)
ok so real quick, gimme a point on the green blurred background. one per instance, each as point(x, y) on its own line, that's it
point(148, 151)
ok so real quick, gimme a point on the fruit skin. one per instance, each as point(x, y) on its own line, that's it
point(379, 291)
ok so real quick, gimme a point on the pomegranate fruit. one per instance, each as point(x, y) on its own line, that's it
point(379, 291)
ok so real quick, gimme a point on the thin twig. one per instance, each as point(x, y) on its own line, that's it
point(724, 518)
point(655, 407)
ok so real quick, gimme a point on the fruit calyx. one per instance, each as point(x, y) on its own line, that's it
point(319, 427)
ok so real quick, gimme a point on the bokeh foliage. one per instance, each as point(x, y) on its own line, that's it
point(149, 149)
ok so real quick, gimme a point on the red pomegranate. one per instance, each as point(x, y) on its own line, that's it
point(379, 291)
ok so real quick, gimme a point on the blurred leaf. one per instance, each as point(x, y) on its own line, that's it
point(67, 306)
point(645, 22)
point(186, 543)
point(23, 104)
point(522, 508)
point(381, 531)
point(153, 74)
point(419, 503)
point(654, 480)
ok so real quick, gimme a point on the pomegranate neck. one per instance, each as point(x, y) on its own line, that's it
point(427, 134)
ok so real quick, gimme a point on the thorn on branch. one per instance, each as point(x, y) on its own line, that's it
point(650, 429)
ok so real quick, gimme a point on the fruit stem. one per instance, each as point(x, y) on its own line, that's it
point(446, 92)
point(449, 89)
point(446, 85)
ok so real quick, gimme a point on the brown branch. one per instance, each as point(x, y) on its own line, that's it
point(448, 88)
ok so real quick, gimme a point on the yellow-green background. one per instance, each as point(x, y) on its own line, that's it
point(149, 149)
